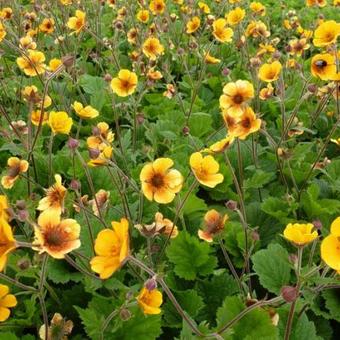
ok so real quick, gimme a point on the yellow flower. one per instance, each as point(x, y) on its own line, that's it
point(2, 32)
point(154, 75)
point(47, 26)
point(3, 208)
point(143, 16)
point(326, 34)
point(87, 112)
point(270, 72)
point(297, 46)
point(54, 64)
point(30, 94)
point(300, 234)
point(159, 182)
point(77, 23)
point(125, 84)
point(220, 146)
point(257, 8)
point(235, 16)
point(323, 66)
point(266, 92)
point(335, 227)
point(221, 32)
point(54, 236)
point(33, 64)
point(330, 251)
point(6, 301)
point(102, 138)
point(36, 116)
point(16, 167)
point(157, 6)
point(152, 48)
point(59, 328)
point(257, 29)
point(206, 169)
point(209, 59)
point(213, 224)
point(60, 122)
point(316, 3)
point(27, 43)
point(103, 157)
point(6, 13)
point(204, 7)
point(193, 25)
point(55, 196)
point(7, 242)
point(150, 301)
point(111, 248)
point(336, 141)
point(235, 96)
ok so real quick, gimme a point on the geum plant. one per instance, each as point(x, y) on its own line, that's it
point(170, 169)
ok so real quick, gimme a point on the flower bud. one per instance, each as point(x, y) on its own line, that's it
point(23, 264)
point(255, 236)
point(312, 88)
point(20, 204)
point(107, 77)
point(289, 293)
point(186, 130)
point(94, 153)
point(68, 60)
point(232, 205)
point(72, 143)
point(150, 284)
point(22, 215)
point(140, 118)
point(317, 224)
point(225, 72)
point(125, 314)
point(75, 185)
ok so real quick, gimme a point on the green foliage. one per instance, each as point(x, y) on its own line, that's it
point(191, 258)
point(254, 325)
point(272, 267)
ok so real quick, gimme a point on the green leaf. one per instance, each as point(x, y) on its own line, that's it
point(91, 84)
point(259, 179)
point(256, 324)
point(272, 267)
point(332, 300)
point(190, 257)
point(200, 124)
point(191, 303)
point(278, 208)
point(59, 272)
point(91, 321)
point(140, 326)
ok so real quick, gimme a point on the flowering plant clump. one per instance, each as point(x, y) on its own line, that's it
point(169, 169)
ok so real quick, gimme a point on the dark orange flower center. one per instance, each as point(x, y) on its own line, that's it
point(238, 98)
point(157, 180)
point(54, 237)
point(246, 123)
point(320, 63)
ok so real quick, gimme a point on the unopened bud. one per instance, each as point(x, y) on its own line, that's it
point(22, 215)
point(186, 130)
point(107, 77)
point(232, 205)
point(317, 224)
point(20, 204)
point(68, 60)
point(140, 118)
point(293, 259)
point(23, 264)
point(72, 143)
point(255, 236)
point(312, 88)
point(289, 293)
point(150, 284)
point(94, 153)
point(225, 71)
point(125, 314)
point(75, 185)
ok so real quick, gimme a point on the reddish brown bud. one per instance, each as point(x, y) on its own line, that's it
point(232, 205)
point(150, 284)
point(289, 293)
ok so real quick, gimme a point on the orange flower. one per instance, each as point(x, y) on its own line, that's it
point(214, 224)
point(270, 72)
point(159, 182)
point(220, 146)
point(47, 26)
point(193, 25)
point(6, 301)
point(143, 16)
point(327, 33)
point(36, 116)
point(323, 66)
point(7, 242)
point(111, 248)
point(102, 138)
point(3, 208)
point(77, 23)
point(244, 125)
point(205, 170)
point(209, 59)
point(152, 48)
point(257, 29)
point(33, 64)
point(54, 236)
point(55, 196)
point(157, 7)
point(125, 84)
point(16, 167)
point(221, 32)
point(266, 92)
point(150, 301)
point(235, 95)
